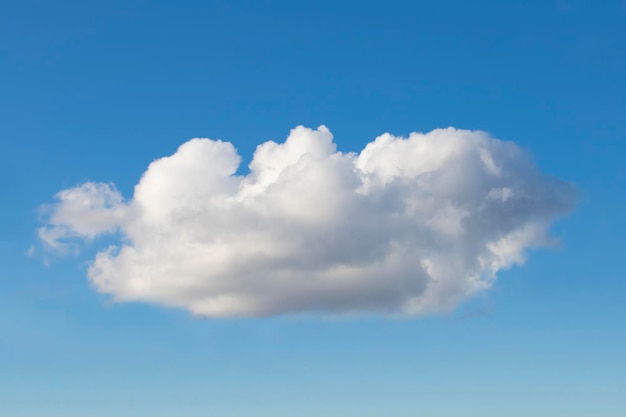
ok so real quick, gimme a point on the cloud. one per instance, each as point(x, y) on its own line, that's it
point(408, 226)
point(83, 212)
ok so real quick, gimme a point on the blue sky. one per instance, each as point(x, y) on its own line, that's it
point(95, 92)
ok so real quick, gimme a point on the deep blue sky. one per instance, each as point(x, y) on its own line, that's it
point(95, 91)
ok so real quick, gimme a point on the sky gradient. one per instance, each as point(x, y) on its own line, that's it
point(96, 92)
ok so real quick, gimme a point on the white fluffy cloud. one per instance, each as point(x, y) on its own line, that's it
point(408, 226)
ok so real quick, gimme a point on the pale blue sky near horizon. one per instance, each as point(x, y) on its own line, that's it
point(97, 90)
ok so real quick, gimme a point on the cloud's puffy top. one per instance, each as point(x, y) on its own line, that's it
point(408, 226)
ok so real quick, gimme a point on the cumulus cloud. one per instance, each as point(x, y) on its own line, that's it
point(408, 226)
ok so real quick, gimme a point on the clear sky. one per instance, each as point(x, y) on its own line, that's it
point(95, 91)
